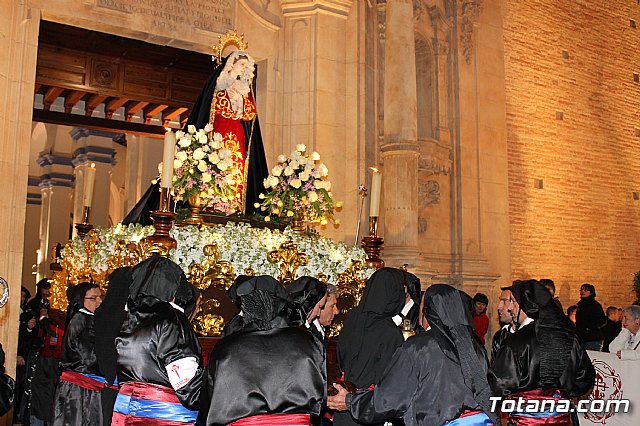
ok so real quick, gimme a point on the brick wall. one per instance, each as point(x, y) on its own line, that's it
point(574, 60)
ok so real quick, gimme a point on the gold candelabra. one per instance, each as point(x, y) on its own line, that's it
point(162, 222)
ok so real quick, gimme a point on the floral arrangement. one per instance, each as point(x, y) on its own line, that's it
point(299, 186)
point(203, 167)
point(239, 244)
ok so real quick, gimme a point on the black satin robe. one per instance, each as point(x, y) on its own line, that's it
point(75, 405)
point(421, 385)
point(277, 371)
point(517, 366)
point(153, 336)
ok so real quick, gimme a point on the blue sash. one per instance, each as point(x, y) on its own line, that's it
point(126, 404)
point(480, 419)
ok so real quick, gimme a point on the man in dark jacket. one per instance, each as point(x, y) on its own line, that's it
point(590, 319)
point(613, 327)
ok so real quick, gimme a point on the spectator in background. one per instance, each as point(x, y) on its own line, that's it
point(480, 318)
point(25, 295)
point(551, 286)
point(590, 319)
point(625, 346)
point(613, 327)
point(571, 313)
point(6, 387)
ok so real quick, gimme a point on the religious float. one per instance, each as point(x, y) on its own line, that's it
point(242, 218)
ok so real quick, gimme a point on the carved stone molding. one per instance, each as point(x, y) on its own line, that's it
point(428, 193)
point(264, 11)
point(337, 7)
point(434, 158)
point(470, 15)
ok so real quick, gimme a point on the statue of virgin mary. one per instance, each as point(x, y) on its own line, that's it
point(227, 103)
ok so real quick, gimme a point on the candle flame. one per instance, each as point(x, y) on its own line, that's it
point(93, 165)
point(374, 169)
point(168, 129)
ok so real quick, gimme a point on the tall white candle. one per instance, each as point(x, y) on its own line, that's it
point(376, 183)
point(167, 159)
point(89, 183)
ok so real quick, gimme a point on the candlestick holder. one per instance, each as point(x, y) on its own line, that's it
point(84, 227)
point(373, 245)
point(163, 220)
point(165, 199)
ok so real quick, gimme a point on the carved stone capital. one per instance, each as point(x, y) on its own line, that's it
point(434, 159)
point(470, 15)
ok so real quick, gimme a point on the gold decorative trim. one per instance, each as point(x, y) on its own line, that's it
point(231, 38)
point(288, 259)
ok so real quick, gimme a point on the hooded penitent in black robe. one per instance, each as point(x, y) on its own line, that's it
point(263, 370)
point(304, 295)
point(435, 376)
point(108, 319)
point(242, 286)
point(158, 352)
point(199, 117)
point(525, 364)
point(369, 336)
point(75, 404)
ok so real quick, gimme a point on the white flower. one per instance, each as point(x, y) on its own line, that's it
point(215, 144)
point(224, 153)
point(304, 176)
point(198, 154)
point(213, 158)
point(282, 158)
point(276, 171)
point(222, 166)
point(296, 183)
point(202, 166)
point(294, 164)
point(270, 182)
point(203, 139)
point(181, 155)
point(315, 156)
point(191, 128)
point(217, 137)
point(322, 169)
point(208, 128)
point(177, 163)
point(179, 134)
point(301, 147)
point(313, 196)
point(206, 177)
point(185, 142)
point(288, 171)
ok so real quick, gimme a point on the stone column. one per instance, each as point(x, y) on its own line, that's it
point(55, 212)
point(19, 31)
point(93, 147)
point(400, 148)
point(321, 79)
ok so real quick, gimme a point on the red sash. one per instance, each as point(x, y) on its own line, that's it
point(82, 380)
point(150, 391)
point(556, 419)
point(274, 420)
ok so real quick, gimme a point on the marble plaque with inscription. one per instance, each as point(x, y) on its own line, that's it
point(215, 16)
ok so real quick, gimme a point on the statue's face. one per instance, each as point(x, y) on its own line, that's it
point(239, 67)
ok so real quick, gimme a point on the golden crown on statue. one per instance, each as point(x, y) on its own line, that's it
point(231, 38)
